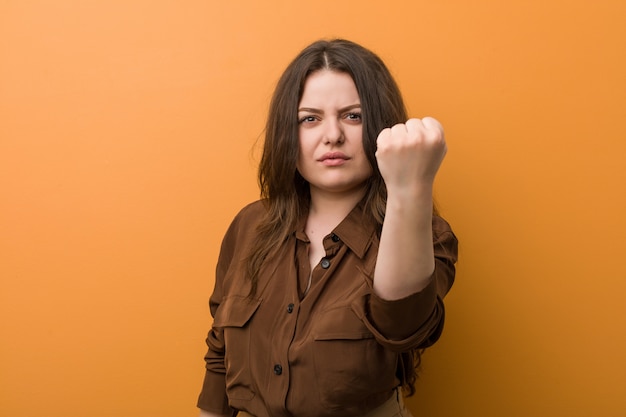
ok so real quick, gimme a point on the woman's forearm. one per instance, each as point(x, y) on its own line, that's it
point(406, 257)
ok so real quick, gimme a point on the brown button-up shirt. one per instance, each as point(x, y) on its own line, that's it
point(331, 350)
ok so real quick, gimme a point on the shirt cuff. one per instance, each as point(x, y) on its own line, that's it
point(415, 321)
point(213, 395)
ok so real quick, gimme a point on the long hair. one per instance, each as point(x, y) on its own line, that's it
point(283, 190)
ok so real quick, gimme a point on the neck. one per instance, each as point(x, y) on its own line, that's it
point(327, 210)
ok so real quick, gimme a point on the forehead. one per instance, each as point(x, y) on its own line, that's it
point(328, 87)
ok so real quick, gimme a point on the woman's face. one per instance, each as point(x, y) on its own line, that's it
point(331, 156)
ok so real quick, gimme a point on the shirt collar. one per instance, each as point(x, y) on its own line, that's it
point(357, 230)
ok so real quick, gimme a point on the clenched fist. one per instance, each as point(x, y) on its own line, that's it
point(410, 154)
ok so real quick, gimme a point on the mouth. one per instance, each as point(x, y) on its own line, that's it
point(333, 159)
point(333, 156)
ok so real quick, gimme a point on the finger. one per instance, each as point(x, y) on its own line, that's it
point(431, 123)
point(399, 129)
point(414, 127)
point(383, 136)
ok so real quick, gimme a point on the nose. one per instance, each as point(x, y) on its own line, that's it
point(333, 132)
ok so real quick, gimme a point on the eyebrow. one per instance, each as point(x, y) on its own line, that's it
point(318, 111)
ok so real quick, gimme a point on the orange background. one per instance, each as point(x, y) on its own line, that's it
point(127, 144)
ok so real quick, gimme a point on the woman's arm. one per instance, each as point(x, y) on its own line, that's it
point(409, 156)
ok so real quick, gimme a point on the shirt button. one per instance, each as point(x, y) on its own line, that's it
point(335, 238)
point(290, 308)
point(278, 369)
point(325, 263)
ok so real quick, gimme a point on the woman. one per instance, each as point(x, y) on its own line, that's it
point(327, 288)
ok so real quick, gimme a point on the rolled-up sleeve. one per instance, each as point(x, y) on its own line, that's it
point(415, 321)
point(213, 395)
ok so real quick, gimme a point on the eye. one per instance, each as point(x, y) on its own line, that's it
point(307, 119)
point(353, 116)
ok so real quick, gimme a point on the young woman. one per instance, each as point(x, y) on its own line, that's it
point(328, 287)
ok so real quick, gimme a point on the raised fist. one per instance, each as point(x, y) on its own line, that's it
point(410, 154)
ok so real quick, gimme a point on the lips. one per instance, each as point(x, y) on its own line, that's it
point(329, 156)
point(333, 159)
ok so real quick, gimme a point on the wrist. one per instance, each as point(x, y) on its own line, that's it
point(416, 193)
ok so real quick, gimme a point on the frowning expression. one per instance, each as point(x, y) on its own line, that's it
point(331, 156)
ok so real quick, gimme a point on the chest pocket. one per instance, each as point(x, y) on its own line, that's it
point(233, 316)
point(350, 365)
point(235, 311)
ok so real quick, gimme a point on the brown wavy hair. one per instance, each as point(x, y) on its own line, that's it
point(283, 190)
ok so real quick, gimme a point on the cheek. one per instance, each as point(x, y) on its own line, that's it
point(300, 160)
point(305, 147)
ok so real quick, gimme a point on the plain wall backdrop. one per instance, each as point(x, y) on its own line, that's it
point(129, 139)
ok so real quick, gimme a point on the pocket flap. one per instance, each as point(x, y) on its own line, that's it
point(235, 311)
point(341, 324)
